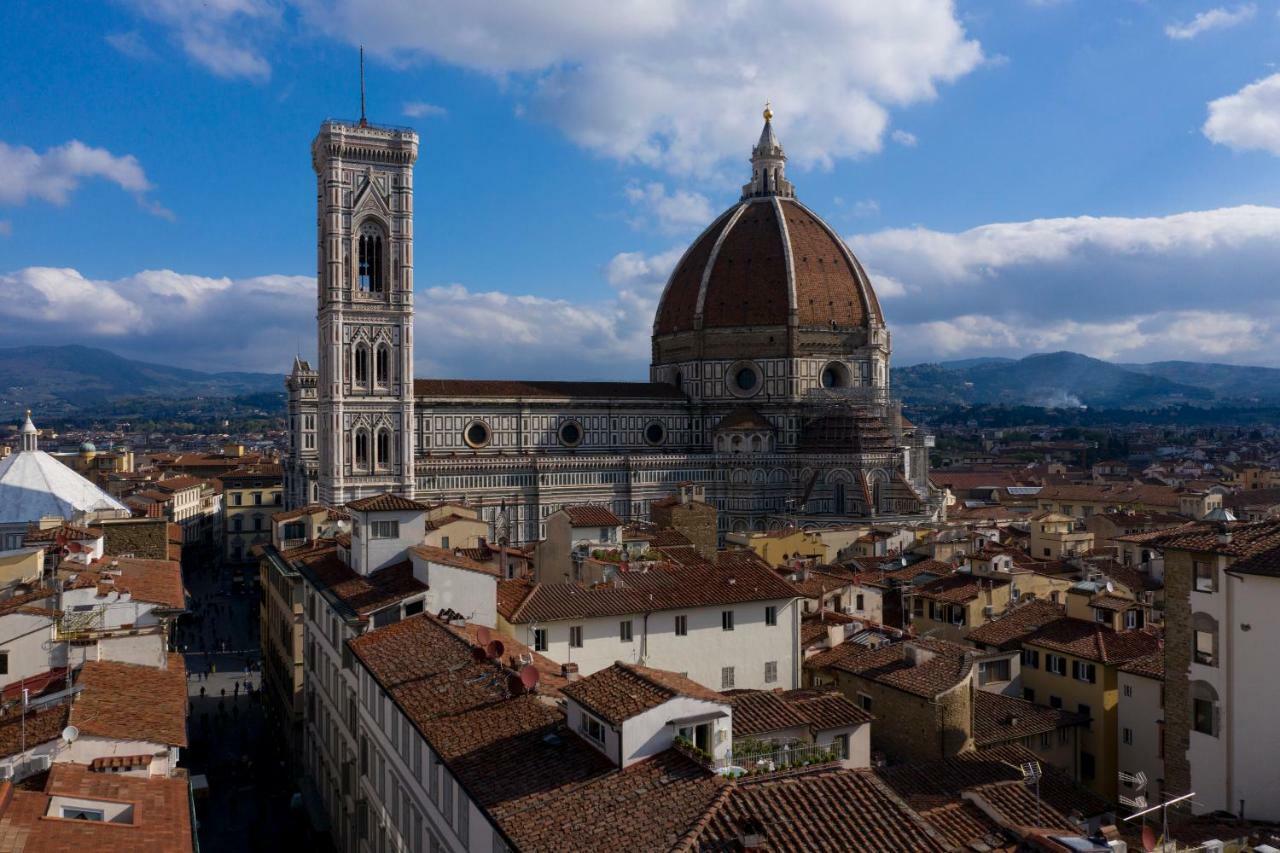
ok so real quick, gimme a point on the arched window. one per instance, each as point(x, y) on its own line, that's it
point(1204, 708)
point(1204, 639)
point(839, 496)
point(362, 364)
point(382, 365)
point(370, 260)
point(875, 493)
point(383, 448)
point(362, 449)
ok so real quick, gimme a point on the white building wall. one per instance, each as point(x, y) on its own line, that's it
point(369, 555)
point(650, 732)
point(473, 594)
point(24, 638)
point(702, 654)
point(1207, 754)
point(1138, 710)
point(1249, 715)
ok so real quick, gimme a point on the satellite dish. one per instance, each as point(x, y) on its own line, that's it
point(1148, 838)
point(69, 734)
point(478, 654)
point(483, 636)
point(495, 649)
point(515, 686)
point(529, 676)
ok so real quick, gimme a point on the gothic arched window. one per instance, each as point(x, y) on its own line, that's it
point(362, 449)
point(383, 448)
point(362, 364)
point(382, 365)
point(371, 259)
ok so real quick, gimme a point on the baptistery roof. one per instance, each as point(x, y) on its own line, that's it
point(767, 261)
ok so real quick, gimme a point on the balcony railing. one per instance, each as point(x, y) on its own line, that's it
point(755, 758)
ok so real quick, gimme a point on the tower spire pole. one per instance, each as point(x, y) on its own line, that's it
point(364, 122)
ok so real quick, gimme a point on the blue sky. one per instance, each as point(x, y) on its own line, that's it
point(1018, 176)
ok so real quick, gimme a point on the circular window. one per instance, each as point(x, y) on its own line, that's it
point(570, 433)
point(835, 375)
point(654, 433)
point(745, 379)
point(476, 434)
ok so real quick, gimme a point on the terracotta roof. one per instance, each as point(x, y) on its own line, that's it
point(761, 263)
point(761, 711)
point(41, 727)
point(161, 814)
point(813, 627)
point(744, 417)
point(959, 588)
point(1242, 539)
point(71, 531)
point(254, 472)
point(19, 602)
point(1264, 563)
point(929, 780)
point(1118, 494)
point(1017, 804)
point(847, 810)
point(291, 514)
point(889, 665)
point(177, 484)
point(364, 594)
point(386, 502)
point(153, 581)
point(624, 690)
point(998, 718)
point(539, 389)
point(1150, 666)
point(551, 680)
point(119, 762)
point(516, 759)
point(1007, 631)
point(1114, 603)
point(125, 701)
point(964, 826)
point(663, 587)
point(1093, 641)
point(591, 516)
point(449, 557)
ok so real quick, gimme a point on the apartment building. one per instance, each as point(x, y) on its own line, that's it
point(1222, 588)
point(731, 624)
point(251, 495)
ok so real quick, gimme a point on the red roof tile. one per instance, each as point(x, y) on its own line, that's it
point(624, 690)
point(386, 502)
point(1007, 631)
point(943, 665)
point(125, 701)
point(1093, 641)
point(591, 516)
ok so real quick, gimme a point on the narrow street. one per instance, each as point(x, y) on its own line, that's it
point(247, 805)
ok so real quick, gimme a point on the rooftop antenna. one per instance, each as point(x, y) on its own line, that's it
point(364, 122)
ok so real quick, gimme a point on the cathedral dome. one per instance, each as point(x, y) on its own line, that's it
point(767, 261)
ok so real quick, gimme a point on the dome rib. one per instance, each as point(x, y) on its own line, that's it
point(711, 263)
point(788, 259)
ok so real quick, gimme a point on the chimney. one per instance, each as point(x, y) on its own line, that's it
point(569, 671)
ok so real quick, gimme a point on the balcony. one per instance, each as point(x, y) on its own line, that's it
point(767, 758)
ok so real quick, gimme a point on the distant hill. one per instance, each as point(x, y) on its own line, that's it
point(69, 378)
point(1071, 380)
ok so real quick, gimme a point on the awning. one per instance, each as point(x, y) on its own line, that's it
point(700, 718)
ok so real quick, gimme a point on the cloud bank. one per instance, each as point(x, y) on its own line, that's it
point(1193, 285)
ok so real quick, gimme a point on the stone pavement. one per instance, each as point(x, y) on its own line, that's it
point(248, 805)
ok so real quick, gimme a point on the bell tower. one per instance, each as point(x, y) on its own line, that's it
point(364, 221)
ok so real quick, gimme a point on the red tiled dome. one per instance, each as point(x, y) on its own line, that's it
point(761, 260)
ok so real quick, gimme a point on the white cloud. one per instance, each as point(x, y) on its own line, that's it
point(1192, 285)
point(904, 138)
point(421, 109)
point(161, 315)
point(54, 175)
point(131, 44)
point(1249, 119)
point(671, 212)
point(1214, 19)
point(227, 37)
point(678, 84)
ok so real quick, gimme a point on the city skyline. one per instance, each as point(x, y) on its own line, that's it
point(1015, 180)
